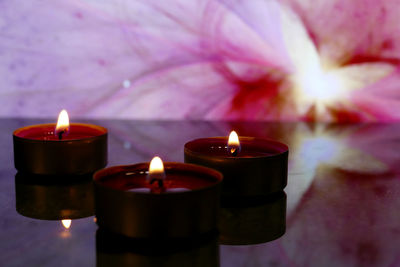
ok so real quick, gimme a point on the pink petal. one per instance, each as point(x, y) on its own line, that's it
point(344, 30)
point(329, 227)
point(381, 100)
point(80, 56)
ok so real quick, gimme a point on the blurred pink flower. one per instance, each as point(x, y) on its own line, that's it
point(204, 59)
point(352, 186)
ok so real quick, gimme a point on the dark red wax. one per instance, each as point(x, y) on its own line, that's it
point(47, 132)
point(134, 176)
point(250, 147)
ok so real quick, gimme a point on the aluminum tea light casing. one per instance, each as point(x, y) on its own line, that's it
point(122, 209)
point(259, 169)
point(38, 151)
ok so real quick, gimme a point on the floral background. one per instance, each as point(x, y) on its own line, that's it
point(313, 60)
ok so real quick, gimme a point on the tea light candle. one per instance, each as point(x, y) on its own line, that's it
point(62, 149)
point(171, 200)
point(250, 166)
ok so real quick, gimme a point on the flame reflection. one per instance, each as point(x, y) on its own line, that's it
point(66, 223)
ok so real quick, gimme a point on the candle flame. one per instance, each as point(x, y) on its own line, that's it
point(66, 223)
point(156, 170)
point(62, 122)
point(156, 166)
point(233, 143)
point(233, 139)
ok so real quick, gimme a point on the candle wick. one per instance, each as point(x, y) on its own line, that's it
point(160, 184)
point(60, 134)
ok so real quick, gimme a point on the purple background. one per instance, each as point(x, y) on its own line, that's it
point(330, 60)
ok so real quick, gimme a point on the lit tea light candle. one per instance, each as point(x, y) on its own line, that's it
point(60, 149)
point(157, 200)
point(251, 166)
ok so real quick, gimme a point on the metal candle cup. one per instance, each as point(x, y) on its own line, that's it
point(258, 169)
point(123, 208)
point(38, 150)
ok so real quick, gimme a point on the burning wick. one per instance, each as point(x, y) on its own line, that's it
point(60, 135)
point(156, 174)
point(62, 126)
point(233, 144)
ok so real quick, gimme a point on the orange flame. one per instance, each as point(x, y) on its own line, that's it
point(156, 168)
point(233, 139)
point(233, 143)
point(62, 122)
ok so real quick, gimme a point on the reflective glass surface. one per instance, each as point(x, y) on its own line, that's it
point(342, 201)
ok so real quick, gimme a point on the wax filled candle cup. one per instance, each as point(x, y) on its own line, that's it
point(167, 200)
point(252, 167)
point(62, 149)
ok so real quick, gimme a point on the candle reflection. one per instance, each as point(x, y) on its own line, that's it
point(66, 223)
point(51, 198)
point(252, 220)
point(119, 251)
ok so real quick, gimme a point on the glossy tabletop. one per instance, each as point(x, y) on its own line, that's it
point(343, 197)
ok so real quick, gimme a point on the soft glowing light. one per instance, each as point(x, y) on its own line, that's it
point(126, 83)
point(233, 143)
point(156, 170)
point(66, 223)
point(62, 122)
point(156, 165)
point(233, 139)
point(320, 149)
point(315, 82)
point(318, 86)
